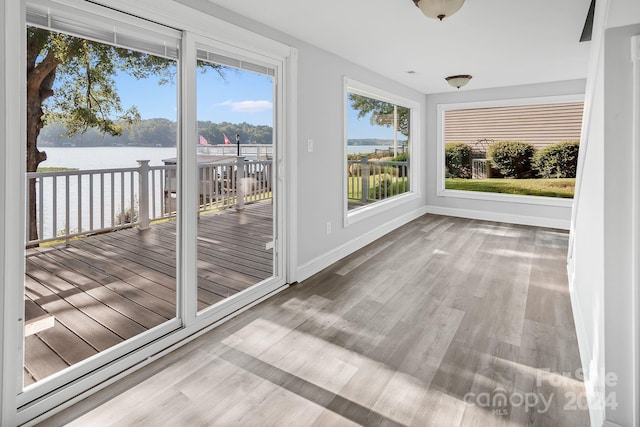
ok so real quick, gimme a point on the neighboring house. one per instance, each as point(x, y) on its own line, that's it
point(540, 125)
point(604, 219)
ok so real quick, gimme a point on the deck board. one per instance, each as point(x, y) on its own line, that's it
point(139, 295)
point(107, 288)
point(89, 285)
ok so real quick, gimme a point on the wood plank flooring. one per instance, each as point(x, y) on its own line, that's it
point(428, 326)
point(107, 288)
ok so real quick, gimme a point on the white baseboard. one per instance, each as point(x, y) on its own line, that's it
point(321, 262)
point(610, 424)
point(501, 217)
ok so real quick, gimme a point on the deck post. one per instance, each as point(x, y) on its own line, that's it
point(143, 195)
point(364, 176)
point(240, 183)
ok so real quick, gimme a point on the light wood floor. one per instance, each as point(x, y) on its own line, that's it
point(427, 326)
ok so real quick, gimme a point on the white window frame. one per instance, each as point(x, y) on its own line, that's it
point(359, 214)
point(29, 407)
point(441, 191)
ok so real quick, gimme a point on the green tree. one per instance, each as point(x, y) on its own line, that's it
point(86, 95)
point(153, 132)
point(380, 111)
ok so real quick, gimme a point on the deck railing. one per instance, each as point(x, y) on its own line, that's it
point(253, 151)
point(83, 202)
point(370, 181)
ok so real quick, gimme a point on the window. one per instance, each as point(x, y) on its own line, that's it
point(379, 128)
point(499, 149)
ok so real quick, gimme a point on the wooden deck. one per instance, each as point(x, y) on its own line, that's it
point(107, 288)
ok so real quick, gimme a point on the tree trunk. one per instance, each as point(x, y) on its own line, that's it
point(38, 89)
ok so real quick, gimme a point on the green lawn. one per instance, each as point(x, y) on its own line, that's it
point(550, 187)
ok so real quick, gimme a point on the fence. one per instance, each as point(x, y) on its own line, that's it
point(480, 168)
point(253, 151)
point(76, 203)
point(378, 152)
point(370, 181)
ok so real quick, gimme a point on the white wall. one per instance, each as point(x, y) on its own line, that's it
point(586, 252)
point(618, 179)
point(600, 267)
point(523, 213)
point(320, 174)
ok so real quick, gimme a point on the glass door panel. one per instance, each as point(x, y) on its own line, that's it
point(100, 249)
point(235, 114)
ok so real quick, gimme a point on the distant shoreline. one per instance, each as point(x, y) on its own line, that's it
point(373, 141)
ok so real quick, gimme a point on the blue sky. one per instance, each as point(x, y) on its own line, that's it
point(242, 96)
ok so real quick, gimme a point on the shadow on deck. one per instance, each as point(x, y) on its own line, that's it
point(107, 288)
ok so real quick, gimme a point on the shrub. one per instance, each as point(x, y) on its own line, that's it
point(557, 161)
point(402, 157)
point(127, 218)
point(512, 158)
point(401, 170)
point(382, 190)
point(457, 160)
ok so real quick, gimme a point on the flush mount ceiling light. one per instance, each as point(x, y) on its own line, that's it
point(459, 80)
point(439, 9)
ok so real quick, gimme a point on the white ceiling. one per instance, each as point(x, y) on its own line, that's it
point(499, 42)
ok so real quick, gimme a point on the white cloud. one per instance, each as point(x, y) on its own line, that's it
point(248, 106)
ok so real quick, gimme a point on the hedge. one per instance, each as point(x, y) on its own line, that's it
point(558, 161)
point(457, 158)
point(512, 158)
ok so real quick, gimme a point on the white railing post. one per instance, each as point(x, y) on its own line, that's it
point(240, 183)
point(143, 195)
point(364, 176)
point(67, 206)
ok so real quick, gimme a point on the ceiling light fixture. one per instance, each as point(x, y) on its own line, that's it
point(459, 80)
point(439, 9)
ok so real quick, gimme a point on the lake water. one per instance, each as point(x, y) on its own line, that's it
point(105, 157)
point(125, 157)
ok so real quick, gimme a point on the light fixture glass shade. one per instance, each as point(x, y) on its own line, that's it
point(459, 80)
point(439, 9)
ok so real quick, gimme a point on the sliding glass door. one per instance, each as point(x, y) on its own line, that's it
point(100, 245)
point(153, 188)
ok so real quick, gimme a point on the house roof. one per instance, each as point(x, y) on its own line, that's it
point(499, 42)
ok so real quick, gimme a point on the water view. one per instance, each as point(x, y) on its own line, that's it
point(105, 157)
point(125, 157)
